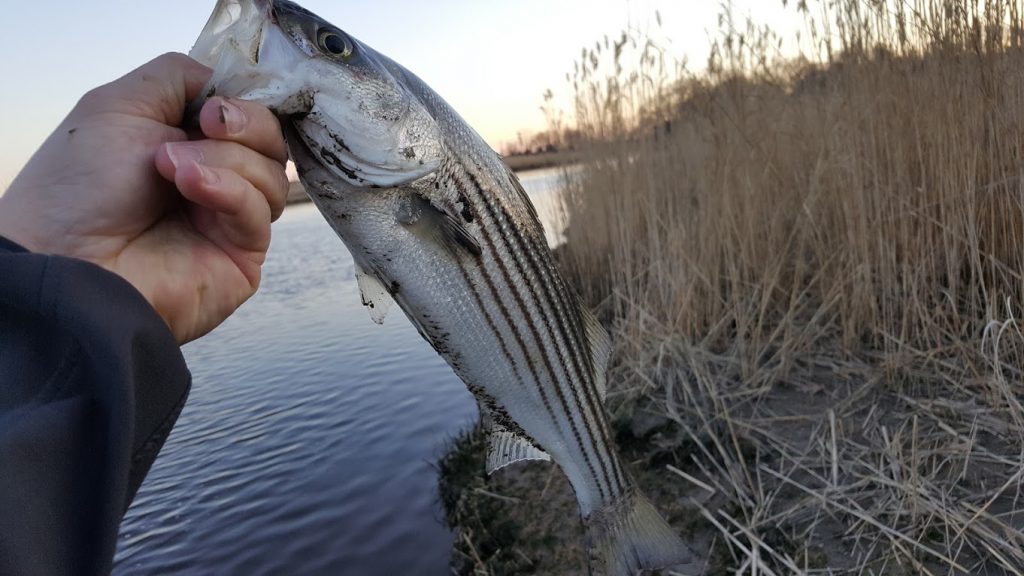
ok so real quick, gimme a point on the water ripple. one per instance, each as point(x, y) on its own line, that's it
point(306, 443)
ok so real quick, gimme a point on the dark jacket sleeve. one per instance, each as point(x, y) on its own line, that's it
point(91, 382)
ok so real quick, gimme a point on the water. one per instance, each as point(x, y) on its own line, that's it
point(308, 442)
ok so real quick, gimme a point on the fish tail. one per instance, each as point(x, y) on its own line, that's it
point(629, 535)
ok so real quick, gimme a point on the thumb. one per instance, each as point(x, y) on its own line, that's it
point(159, 90)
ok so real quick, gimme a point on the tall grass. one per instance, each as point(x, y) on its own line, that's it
point(814, 266)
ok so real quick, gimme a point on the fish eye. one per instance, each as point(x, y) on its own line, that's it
point(334, 43)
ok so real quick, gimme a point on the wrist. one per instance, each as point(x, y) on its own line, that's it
point(13, 222)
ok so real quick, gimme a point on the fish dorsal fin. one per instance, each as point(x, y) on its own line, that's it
point(505, 447)
point(518, 187)
point(436, 224)
point(375, 296)
point(600, 351)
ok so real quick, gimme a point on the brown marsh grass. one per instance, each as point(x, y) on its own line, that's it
point(813, 269)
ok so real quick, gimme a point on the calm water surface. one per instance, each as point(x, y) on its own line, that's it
point(308, 442)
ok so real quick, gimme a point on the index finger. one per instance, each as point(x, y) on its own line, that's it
point(247, 123)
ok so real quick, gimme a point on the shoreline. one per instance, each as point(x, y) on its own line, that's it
point(525, 519)
point(518, 163)
point(798, 460)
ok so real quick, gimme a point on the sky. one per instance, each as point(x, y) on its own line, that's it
point(491, 60)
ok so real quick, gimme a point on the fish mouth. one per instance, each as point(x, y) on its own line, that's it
point(240, 36)
point(233, 23)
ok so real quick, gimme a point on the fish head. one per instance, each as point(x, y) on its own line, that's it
point(346, 104)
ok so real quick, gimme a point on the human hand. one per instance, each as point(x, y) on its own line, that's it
point(119, 184)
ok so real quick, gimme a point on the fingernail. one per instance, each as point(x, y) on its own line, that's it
point(232, 117)
point(182, 152)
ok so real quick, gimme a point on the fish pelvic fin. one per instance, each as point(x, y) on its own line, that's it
point(375, 296)
point(629, 535)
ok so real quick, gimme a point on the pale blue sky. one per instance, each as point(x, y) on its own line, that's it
point(492, 60)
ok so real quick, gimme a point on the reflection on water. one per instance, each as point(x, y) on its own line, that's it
point(308, 441)
point(543, 186)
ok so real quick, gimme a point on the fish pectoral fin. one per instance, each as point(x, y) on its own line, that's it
point(600, 351)
point(505, 447)
point(436, 224)
point(376, 297)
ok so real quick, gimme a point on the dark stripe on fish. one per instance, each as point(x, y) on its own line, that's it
point(499, 216)
point(496, 298)
point(571, 322)
point(569, 337)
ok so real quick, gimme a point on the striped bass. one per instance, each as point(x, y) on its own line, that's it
point(436, 222)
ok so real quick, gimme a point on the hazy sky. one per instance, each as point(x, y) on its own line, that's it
point(492, 60)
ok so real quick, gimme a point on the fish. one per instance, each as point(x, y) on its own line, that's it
point(436, 222)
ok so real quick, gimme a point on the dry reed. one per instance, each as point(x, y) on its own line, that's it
point(813, 267)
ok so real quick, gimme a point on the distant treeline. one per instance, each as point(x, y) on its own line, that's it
point(544, 142)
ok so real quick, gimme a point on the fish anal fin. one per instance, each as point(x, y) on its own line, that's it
point(629, 535)
point(504, 448)
point(600, 351)
point(375, 296)
point(506, 442)
point(427, 220)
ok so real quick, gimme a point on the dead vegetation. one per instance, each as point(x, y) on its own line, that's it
point(812, 269)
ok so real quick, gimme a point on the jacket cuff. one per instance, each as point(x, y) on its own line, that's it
point(91, 382)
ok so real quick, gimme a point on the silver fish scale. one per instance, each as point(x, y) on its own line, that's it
point(535, 307)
